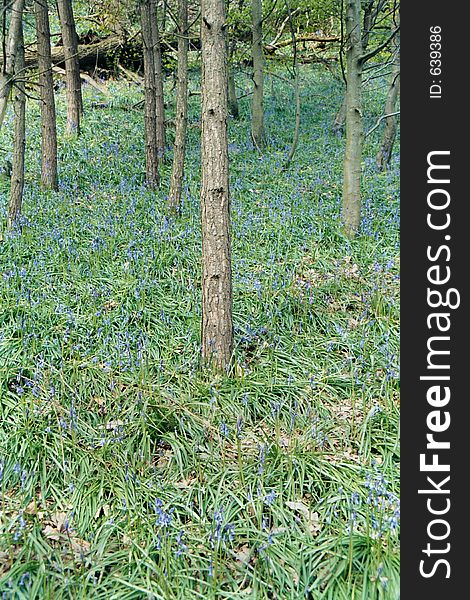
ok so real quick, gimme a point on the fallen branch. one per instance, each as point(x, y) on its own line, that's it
point(307, 37)
point(85, 78)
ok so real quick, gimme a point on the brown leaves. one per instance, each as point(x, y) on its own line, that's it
point(56, 529)
point(310, 518)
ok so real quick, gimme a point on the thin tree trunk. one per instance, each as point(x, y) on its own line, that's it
point(351, 210)
point(46, 85)
point(385, 153)
point(176, 184)
point(19, 143)
point(257, 107)
point(369, 19)
point(217, 328)
point(150, 117)
point(72, 66)
point(340, 118)
point(232, 90)
point(295, 68)
point(160, 100)
point(11, 44)
point(232, 95)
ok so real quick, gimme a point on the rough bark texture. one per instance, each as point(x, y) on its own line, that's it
point(72, 66)
point(46, 86)
point(150, 116)
point(7, 74)
point(351, 212)
point(157, 59)
point(257, 107)
point(17, 175)
point(217, 329)
point(385, 153)
point(177, 174)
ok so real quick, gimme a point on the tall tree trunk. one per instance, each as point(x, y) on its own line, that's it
point(160, 100)
point(232, 90)
point(19, 143)
point(217, 328)
point(295, 69)
point(385, 153)
point(340, 118)
point(11, 45)
point(150, 117)
point(371, 12)
point(351, 210)
point(72, 66)
point(176, 184)
point(232, 94)
point(257, 107)
point(46, 87)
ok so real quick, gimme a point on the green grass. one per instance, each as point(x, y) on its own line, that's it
point(127, 471)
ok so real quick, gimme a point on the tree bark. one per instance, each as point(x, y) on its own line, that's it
point(46, 86)
point(176, 184)
point(19, 142)
point(72, 66)
point(7, 75)
point(160, 100)
point(385, 153)
point(150, 117)
point(351, 209)
point(257, 107)
point(217, 328)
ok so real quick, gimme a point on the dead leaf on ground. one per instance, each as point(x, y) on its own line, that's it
point(243, 554)
point(311, 518)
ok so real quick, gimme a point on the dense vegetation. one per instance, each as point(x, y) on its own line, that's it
point(126, 470)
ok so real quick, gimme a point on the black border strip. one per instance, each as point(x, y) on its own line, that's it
point(434, 271)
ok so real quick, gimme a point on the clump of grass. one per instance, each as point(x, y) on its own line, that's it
point(126, 471)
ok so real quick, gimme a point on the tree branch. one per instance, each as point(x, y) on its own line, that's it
point(379, 120)
point(380, 47)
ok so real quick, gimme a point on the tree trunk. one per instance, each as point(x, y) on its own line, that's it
point(351, 210)
point(295, 69)
point(150, 117)
point(11, 44)
point(257, 108)
point(160, 101)
point(232, 95)
point(232, 90)
point(72, 66)
point(17, 175)
point(340, 119)
point(217, 328)
point(46, 86)
point(385, 153)
point(176, 184)
point(371, 11)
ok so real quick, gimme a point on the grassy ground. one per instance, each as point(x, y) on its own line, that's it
point(128, 472)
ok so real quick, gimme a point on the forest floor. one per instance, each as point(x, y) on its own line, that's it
point(128, 472)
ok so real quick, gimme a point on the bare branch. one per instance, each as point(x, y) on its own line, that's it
point(379, 120)
point(379, 48)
